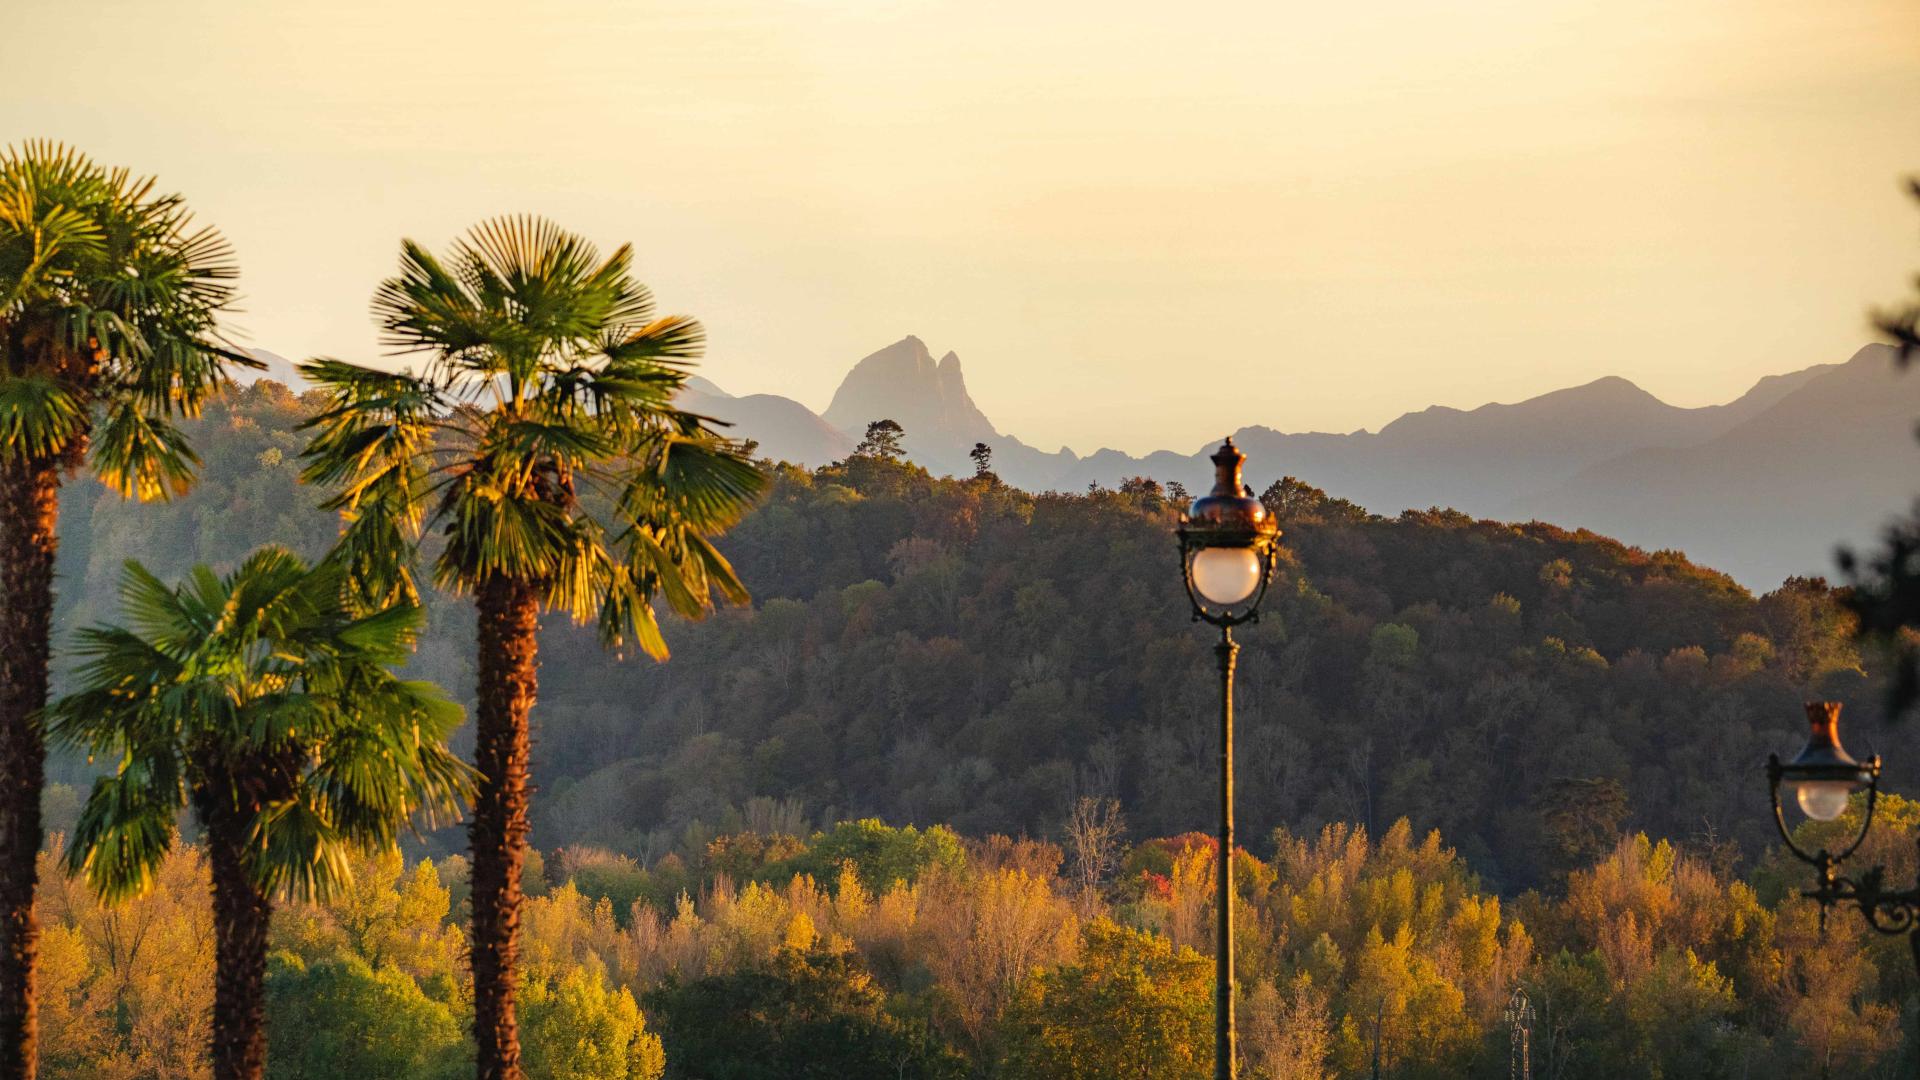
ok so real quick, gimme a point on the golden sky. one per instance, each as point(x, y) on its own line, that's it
point(1140, 224)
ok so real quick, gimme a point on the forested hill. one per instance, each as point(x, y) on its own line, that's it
point(965, 653)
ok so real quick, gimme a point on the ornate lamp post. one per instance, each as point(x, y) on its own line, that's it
point(1822, 779)
point(1227, 544)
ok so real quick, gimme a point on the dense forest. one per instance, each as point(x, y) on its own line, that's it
point(927, 650)
point(929, 808)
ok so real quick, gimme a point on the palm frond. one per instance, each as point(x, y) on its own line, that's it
point(39, 417)
point(385, 637)
point(426, 308)
point(370, 448)
point(702, 484)
point(533, 440)
point(125, 828)
point(297, 850)
point(658, 567)
point(142, 456)
point(371, 802)
point(159, 613)
point(719, 571)
point(627, 615)
point(495, 528)
point(668, 343)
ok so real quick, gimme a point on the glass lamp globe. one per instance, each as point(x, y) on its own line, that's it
point(1823, 800)
point(1226, 575)
point(1824, 775)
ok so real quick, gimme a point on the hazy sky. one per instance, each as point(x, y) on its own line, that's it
point(1140, 225)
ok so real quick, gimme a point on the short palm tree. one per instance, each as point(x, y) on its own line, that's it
point(108, 301)
point(269, 705)
point(542, 442)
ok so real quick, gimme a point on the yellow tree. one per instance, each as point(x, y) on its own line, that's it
point(129, 990)
point(1131, 1008)
point(983, 934)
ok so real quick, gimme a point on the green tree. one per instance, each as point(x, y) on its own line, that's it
point(340, 1017)
point(389, 918)
point(543, 439)
point(982, 456)
point(270, 707)
point(1294, 500)
point(883, 440)
point(1420, 1015)
point(1583, 816)
point(879, 853)
point(1132, 1007)
point(807, 1016)
point(108, 301)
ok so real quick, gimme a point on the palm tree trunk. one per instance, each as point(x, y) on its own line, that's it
point(29, 514)
point(241, 913)
point(509, 660)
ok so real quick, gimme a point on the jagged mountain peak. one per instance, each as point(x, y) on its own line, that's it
point(929, 398)
point(909, 354)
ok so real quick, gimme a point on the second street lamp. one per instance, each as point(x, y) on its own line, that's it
point(1823, 778)
point(1227, 545)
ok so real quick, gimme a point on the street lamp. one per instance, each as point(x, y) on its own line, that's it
point(1227, 546)
point(1822, 778)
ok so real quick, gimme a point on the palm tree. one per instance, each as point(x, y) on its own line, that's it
point(542, 442)
point(269, 705)
point(108, 301)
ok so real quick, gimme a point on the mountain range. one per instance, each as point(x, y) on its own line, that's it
point(1763, 487)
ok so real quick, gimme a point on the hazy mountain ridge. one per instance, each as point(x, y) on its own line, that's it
point(1774, 494)
point(1762, 487)
point(785, 429)
point(1606, 455)
point(1482, 460)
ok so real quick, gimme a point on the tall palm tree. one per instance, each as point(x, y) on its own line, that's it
point(268, 704)
point(541, 441)
point(108, 301)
